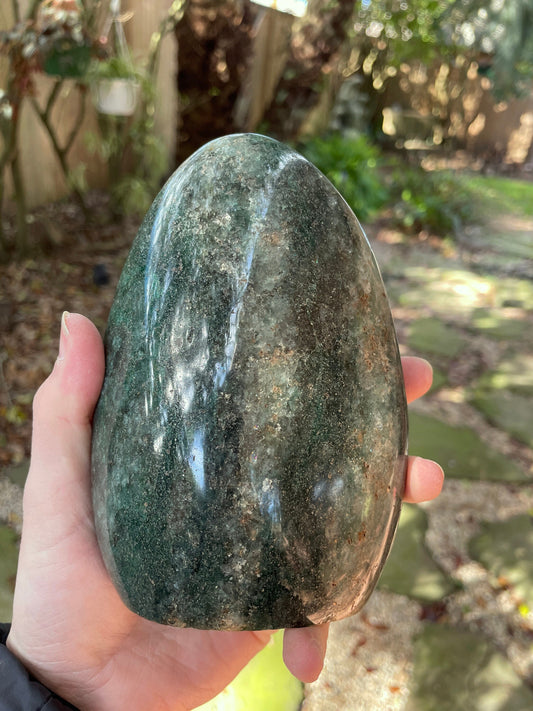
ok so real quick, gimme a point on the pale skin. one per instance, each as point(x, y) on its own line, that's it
point(70, 628)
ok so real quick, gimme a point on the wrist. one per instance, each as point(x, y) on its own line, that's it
point(36, 673)
point(19, 687)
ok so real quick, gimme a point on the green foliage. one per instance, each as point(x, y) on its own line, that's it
point(77, 179)
point(137, 189)
point(503, 33)
point(439, 202)
point(443, 202)
point(352, 165)
point(132, 195)
point(113, 68)
point(135, 157)
point(46, 33)
point(504, 194)
point(403, 31)
point(391, 32)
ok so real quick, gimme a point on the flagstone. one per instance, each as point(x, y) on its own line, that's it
point(458, 669)
point(505, 548)
point(460, 451)
point(410, 569)
point(432, 336)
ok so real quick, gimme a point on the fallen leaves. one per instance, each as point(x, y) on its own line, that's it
point(33, 294)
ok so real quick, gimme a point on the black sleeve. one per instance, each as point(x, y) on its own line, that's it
point(19, 691)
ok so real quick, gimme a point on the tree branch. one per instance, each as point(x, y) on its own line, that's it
point(16, 10)
point(173, 16)
point(32, 12)
point(78, 122)
point(62, 152)
point(51, 101)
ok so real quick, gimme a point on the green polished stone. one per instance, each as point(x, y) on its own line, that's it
point(249, 442)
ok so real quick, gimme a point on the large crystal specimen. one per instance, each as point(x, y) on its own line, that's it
point(249, 442)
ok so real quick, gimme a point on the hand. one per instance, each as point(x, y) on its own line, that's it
point(70, 628)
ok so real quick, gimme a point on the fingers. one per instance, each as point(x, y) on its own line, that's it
point(62, 412)
point(424, 477)
point(424, 480)
point(304, 650)
point(418, 376)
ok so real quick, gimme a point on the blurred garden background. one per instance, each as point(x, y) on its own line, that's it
point(421, 114)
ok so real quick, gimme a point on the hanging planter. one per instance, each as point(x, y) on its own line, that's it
point(115, 86)
point(115, 81)
point(64, 45)
point(116, 97)
point(67, 60)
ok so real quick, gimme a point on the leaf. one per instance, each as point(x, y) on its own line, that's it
point(15, 415)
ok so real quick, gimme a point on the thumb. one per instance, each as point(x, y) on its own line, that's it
point(62, 413)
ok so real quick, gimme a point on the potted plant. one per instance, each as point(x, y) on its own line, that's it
point(63, 41)
point(115, 86)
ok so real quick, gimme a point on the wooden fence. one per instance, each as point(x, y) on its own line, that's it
point(497, 130)
point(505, 128)
point(42, 174)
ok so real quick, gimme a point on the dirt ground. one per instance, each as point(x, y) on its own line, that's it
point(75, 268)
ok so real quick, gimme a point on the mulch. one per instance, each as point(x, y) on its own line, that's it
point(74, 266)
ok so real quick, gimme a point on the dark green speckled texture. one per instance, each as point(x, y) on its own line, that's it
point(249, 442)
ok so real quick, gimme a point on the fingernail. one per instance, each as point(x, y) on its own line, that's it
point(65, 333)
point(64, 325)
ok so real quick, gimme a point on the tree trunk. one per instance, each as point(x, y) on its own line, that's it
point(10, 156)
point(315, 47)
point(20, 200)
point(3, 240)
point(214, 48)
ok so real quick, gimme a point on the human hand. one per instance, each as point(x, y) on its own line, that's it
point(70, 628)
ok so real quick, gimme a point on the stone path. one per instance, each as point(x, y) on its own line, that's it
point(451, 624)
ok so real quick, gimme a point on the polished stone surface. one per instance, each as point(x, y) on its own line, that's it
point(249, 442)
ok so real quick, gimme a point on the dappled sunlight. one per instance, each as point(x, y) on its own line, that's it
point(391, 236)
point(477, 125)
point(520, 140)
point(455, 395)
point(472, 292)
point(502, 324)
point(514, 373)
point(264, 684)
point(448, 291)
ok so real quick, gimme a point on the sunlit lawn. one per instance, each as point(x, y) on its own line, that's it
point(504, 194)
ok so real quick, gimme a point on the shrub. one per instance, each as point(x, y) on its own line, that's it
point(439, 202)
point(352, 165)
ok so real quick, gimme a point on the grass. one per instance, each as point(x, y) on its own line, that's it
point(504, 194)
